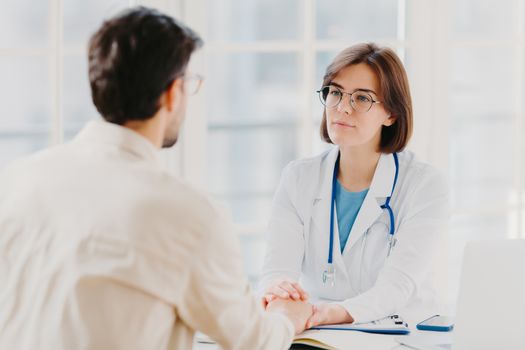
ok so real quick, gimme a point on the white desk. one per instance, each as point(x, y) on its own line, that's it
point(359, 345)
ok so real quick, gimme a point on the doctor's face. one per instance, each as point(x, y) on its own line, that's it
point(349, 123)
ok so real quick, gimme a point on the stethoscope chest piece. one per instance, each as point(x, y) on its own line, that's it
point(329, 275)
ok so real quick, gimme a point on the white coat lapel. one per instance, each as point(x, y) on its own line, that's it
point(337, 255)
point(321, 209)
point(321, 204)
point(380, 188)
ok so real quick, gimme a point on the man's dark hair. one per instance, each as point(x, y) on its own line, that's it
point(133, 58)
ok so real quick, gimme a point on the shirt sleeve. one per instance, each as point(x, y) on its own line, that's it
point(285, 241)
point(219, 301)
point(418, 235)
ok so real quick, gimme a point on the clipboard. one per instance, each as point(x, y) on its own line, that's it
point(389, 325)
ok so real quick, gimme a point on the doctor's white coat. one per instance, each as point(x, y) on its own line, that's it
point(368, 284)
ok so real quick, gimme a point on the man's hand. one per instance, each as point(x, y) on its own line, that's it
point(328, 314)
point(284, 289)
point(297, 311)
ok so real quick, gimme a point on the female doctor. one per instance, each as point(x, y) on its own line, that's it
point(360, 224)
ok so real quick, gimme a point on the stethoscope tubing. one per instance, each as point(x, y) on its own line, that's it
point(384, 206)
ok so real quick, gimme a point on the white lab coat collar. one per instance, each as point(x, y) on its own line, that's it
point(125, 139)
point(382, 181)
point(327, 172)
point(384, 175)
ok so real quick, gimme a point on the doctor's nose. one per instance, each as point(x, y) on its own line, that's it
point(345, 106)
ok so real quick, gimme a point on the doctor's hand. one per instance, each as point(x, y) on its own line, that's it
point(296, 311)
point(328, 314)
point(284, 289)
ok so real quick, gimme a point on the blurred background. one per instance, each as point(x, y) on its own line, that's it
point(258, 110)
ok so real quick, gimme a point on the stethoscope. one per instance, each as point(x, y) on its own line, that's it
point(329, 272)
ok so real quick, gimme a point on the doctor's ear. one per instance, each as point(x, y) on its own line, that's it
point(390, 120)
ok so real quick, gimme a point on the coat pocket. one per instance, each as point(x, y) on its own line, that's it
point(375, 251)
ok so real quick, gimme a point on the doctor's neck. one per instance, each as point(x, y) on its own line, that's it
point(357, 165)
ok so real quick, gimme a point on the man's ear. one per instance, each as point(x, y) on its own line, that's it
point(390, 120)
point(171, 94)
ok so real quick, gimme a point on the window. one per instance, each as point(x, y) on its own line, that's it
point(486, 118)
point(25, 87)
point(43, 66)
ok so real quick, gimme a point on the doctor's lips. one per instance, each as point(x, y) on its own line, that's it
point(343, 124)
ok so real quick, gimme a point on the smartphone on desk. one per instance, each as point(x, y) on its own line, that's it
point(436, 323)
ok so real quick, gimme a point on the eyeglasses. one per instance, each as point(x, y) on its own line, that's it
point(192, 83)
point(360, 101)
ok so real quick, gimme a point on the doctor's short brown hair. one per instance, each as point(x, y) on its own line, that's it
point(394, 87)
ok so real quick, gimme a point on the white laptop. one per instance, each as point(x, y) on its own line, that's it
point(491, 303)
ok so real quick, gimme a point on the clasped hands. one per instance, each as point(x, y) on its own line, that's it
point(289, 298)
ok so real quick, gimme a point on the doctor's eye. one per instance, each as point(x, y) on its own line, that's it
point(335, 92)
point(330, 96)
point(363, 98)
point(361, 101)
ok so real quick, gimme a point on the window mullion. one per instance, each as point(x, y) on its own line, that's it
point(306, 119)
point(56, 65)
point(520, 124)
point(193, 147)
